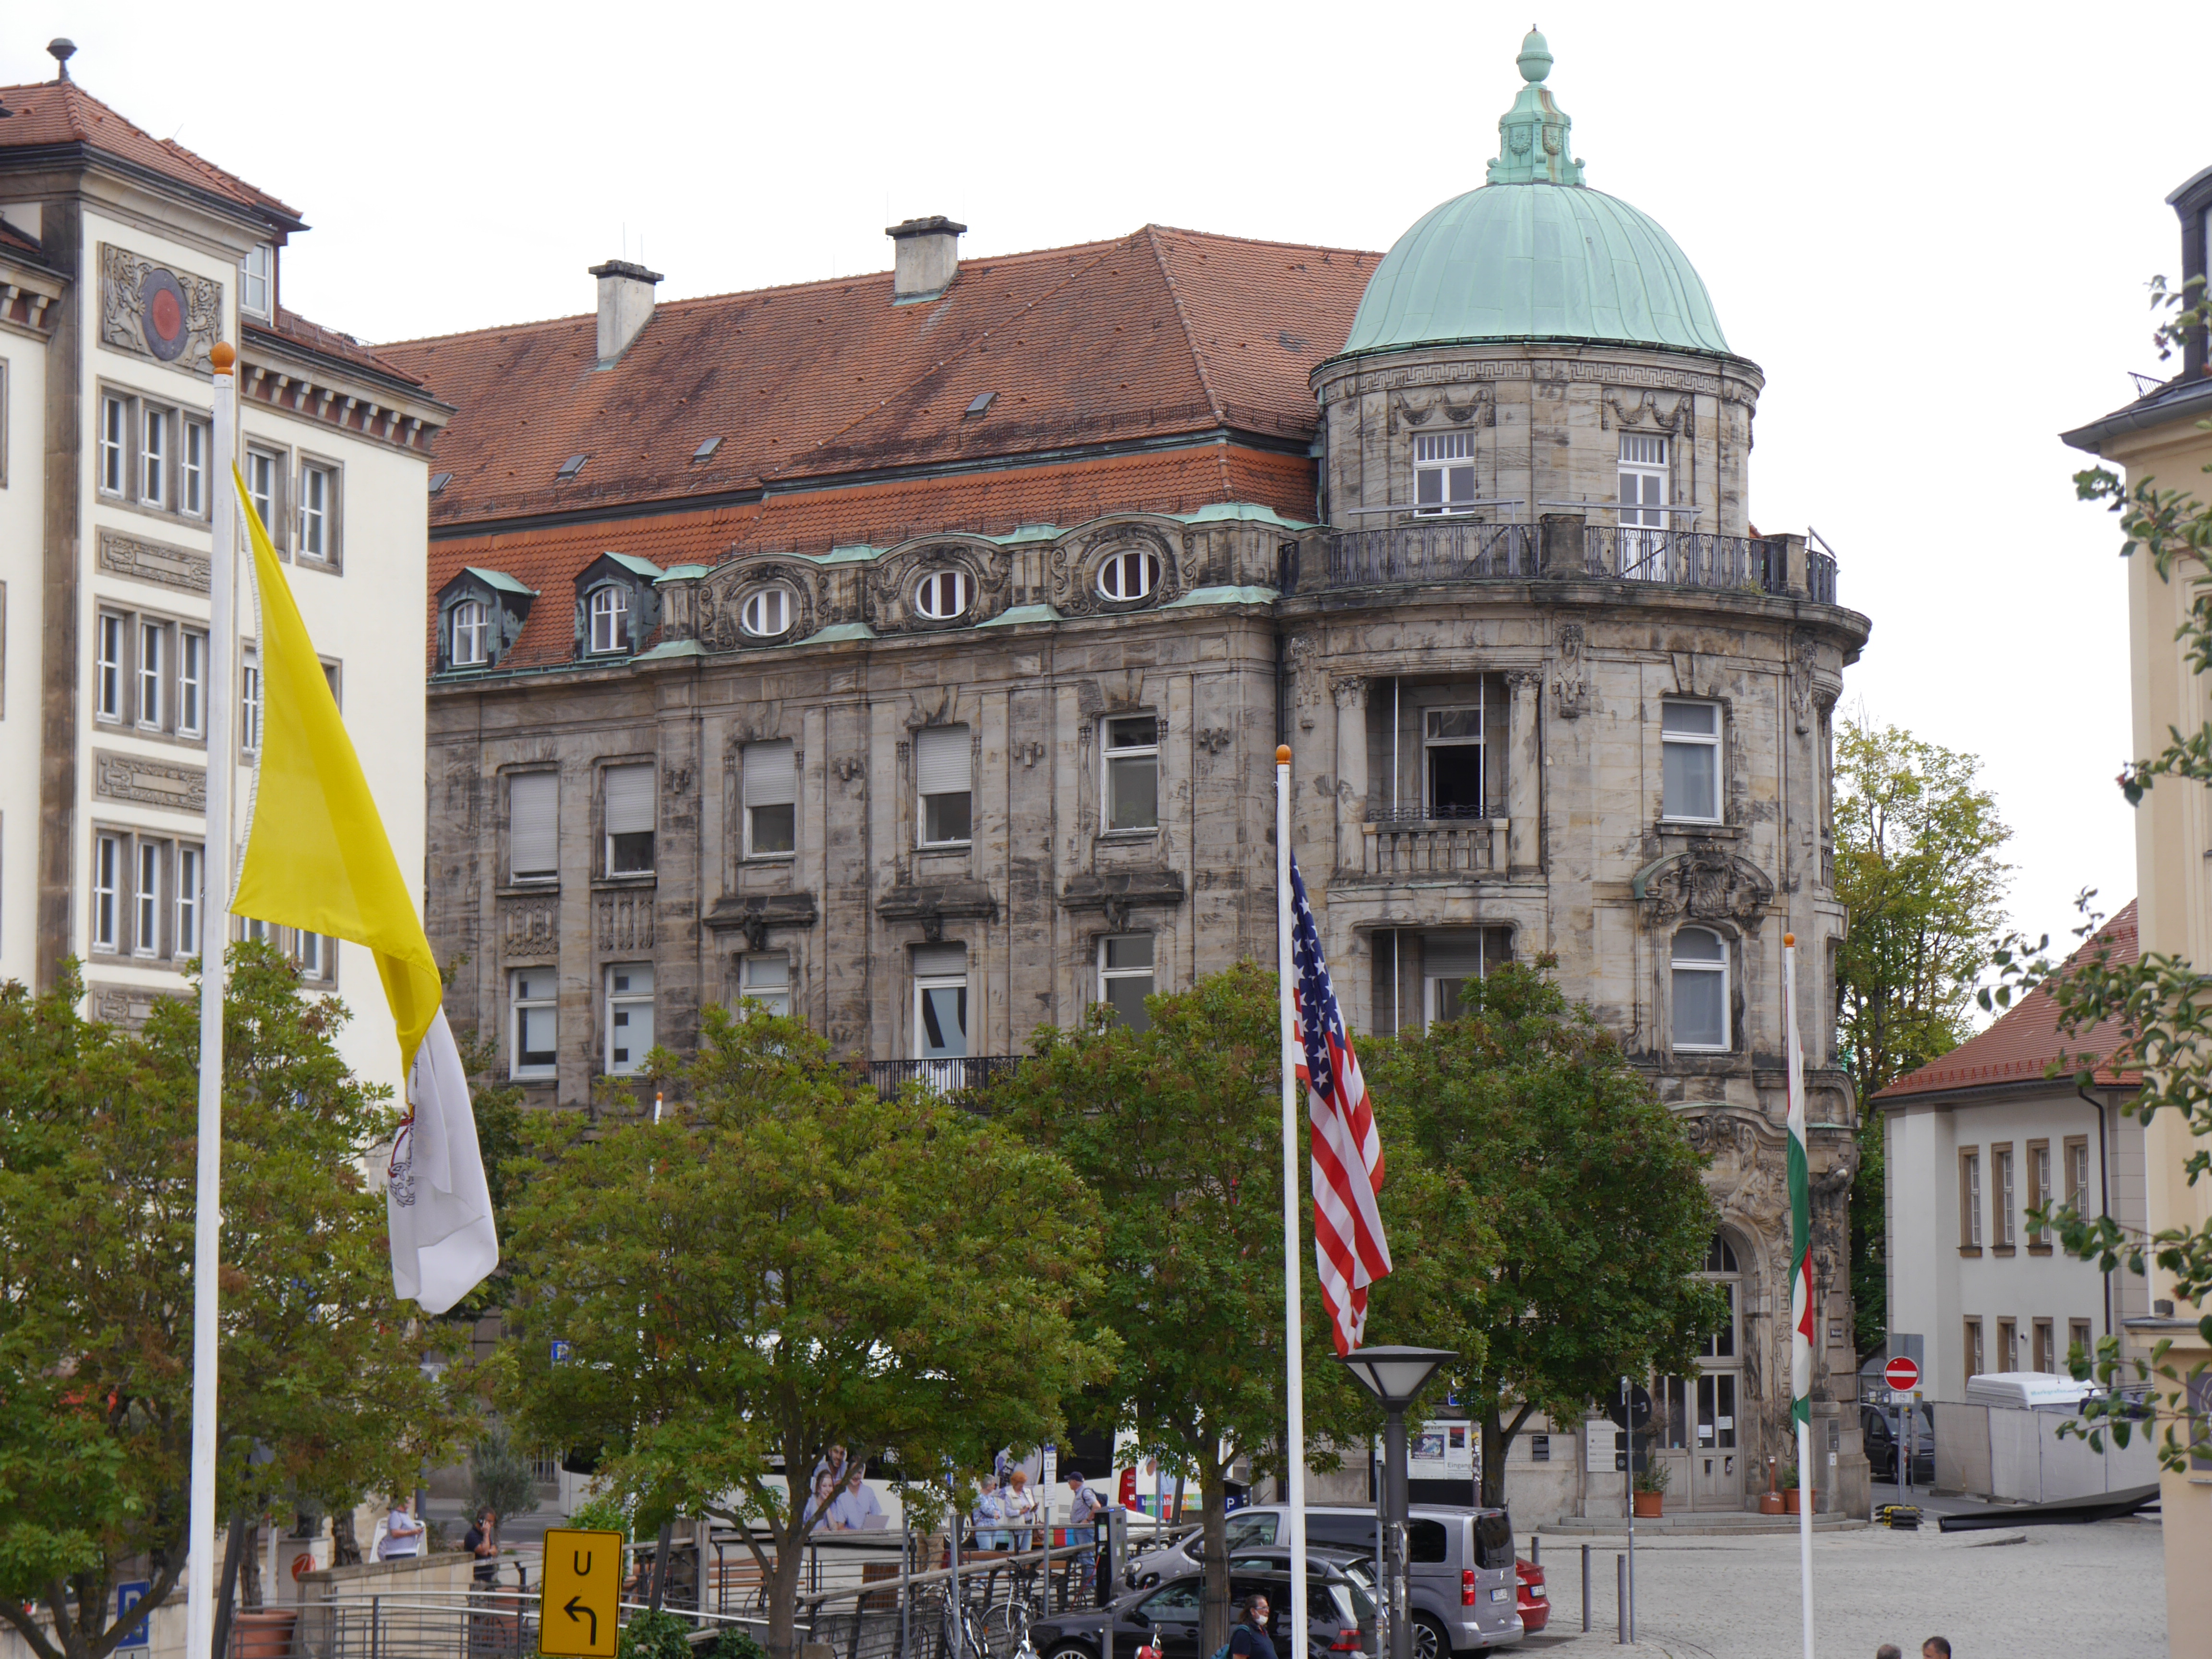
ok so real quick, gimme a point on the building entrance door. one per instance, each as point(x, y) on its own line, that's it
point(1701, 1414)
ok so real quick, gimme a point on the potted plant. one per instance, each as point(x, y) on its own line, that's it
point(1650, 1493)
point(1791, 1497)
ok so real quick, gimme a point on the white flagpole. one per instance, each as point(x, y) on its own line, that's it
point(213, 908)
point(1294, 1448)
point(1800, 1380)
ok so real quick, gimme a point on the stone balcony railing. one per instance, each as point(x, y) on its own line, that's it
point(1425, 551)
point(1416, 848)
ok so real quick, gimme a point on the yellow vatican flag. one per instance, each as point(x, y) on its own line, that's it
point(317, 859)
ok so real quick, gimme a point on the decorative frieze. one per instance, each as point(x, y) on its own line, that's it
point(625, 920)
point(530, 927)
point(153, 311)
point(153, 562)
point(127, 1007)
point(145, 782)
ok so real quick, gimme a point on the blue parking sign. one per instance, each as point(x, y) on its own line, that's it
point(560, 1351)
point(127, 1596)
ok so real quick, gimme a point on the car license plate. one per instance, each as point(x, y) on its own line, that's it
point(1498, 1595)
point(1538, 1593)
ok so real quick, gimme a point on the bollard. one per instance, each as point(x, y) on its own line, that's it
point(1621, 1598)
point(1586, 1586)
point(1535, 1551)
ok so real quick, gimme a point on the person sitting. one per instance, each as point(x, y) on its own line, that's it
point(821, 1512)
point(855, 1508)
point(402, 1533)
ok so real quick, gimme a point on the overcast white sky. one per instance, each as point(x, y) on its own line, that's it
point(1932, 226)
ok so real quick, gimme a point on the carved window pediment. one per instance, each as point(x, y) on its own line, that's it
point(1705, 882)
point(722, 598)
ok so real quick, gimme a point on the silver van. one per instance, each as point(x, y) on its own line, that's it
point(1460, 1576)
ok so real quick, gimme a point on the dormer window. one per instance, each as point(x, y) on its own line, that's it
point(941, 595)
point(610, 618)
point(767, 613)
point(1130, 575)
point(469, 646)
point(256, 278)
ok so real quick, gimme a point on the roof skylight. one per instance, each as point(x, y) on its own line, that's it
point(982, 401)
point(707, 449)
point(439, 481)
point(570, 468)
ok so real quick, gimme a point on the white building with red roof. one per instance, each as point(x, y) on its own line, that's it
point(1975, 1138)
point(125, 259)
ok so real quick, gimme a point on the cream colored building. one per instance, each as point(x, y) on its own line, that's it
point(124, 261)
point(2158, 438)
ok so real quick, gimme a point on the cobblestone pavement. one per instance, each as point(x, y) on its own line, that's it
point(2085, 1592)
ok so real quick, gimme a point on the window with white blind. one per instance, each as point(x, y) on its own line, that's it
point(154, 457)
point(189, 881)
point(764, 976)
point(1690, 761)
point(941, 778)
point(1700, 983)
point(533, 1006)
point(629, 820)
point(533, 832)
point(192, 476)
point(771, 799)
point(940, 1001)
point(107, 667)
point(114, 443)
point(107, 890)
point(1449, 962)
point(146, 900)
point(1130, 752)
point(1125, 978)
point(630, 1016)
point(1443, 471)
point(192, 681)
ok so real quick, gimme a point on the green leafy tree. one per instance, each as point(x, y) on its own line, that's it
point(499, 1477)
point(1178, 1131)
point(1595, 1192)
point(784, 1262)
point(1917, 868)
point(320, 1370)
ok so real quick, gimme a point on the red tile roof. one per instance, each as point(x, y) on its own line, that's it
point(1155, 335)
point(292, 328)
point(62, 112)
point(547, 559)
point(2026, 1040)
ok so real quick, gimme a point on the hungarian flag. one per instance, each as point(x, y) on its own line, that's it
point(317, 859)
point(1801, 1208)
point(1349, 1249)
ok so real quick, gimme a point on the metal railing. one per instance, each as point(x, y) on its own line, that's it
point(944, 1076)
point(1425, 550)
point(1684, 558)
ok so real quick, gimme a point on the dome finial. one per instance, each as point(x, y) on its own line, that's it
point(1535, 59)
point(1532, 136)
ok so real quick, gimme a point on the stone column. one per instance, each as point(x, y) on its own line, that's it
point(1350, 692)
point(1523, 784)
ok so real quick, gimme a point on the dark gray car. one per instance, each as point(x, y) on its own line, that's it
point(1340, 1616)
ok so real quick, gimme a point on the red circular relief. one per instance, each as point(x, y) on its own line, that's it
point(168, 317)
point(303, 1564)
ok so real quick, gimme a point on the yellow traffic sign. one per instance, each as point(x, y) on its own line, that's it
point(582, 1582)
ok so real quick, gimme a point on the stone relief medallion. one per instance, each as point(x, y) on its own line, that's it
point(153, 310)
point(1705, 883)
point(720, 602)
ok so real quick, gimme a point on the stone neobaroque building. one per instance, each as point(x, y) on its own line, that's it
point(124, 261)
point(912, 654)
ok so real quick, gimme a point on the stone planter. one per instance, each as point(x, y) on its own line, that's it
point(261, 1635)
point(1649, 1505)
point(1770, 1503)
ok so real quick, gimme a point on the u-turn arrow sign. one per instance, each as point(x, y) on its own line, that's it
point(582, 1582)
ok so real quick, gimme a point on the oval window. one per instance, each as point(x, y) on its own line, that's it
point(1128, 575)
point(767, 613)
point(942, 594)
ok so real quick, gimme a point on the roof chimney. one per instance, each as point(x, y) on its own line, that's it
point(625, 305)
point(61, 51)
point(929, 257)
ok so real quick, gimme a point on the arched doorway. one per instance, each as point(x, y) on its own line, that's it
point(1699, 1414)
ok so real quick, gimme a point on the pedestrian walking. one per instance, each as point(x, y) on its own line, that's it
point(1020, 1505)
point(990, 1509)
point(402, 1533)
point(482, 1541)
point(1250, 1640)
point(1935, 1647)
point(1889, 1650)
point(1082, 1504)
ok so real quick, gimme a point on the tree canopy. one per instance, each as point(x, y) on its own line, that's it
point(1917, 869)
point(322, 1393)
point(785, 1262)
point(1594, 1193)
point(1178, 1131)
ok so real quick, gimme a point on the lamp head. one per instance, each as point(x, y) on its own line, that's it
point(1395, 1376)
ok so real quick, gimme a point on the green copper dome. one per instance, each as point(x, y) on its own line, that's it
point(1536, 254)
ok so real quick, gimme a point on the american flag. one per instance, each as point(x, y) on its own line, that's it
point(1349, 1249)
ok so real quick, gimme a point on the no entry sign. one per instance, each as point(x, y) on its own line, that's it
point(1901, 1374)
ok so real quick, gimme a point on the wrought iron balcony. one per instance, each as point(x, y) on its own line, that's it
point(962, 1076)
point(1425, 551)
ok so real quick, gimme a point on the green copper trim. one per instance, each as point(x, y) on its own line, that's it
point(1532, 136)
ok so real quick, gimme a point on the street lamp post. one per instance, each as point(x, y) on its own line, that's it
point(1394, 1377)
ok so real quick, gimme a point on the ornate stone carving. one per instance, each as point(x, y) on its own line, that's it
point(755, 915)
point(1569, 680)
point(847, 768)
point(1214, 738)
point(1704, 883)
point(625, 920)
point(931, 903)
point(149, 782)
point(1518, 369)
point(1305, 653)
point(1029, 754)
point(152, 311)
point(1802, 656)
point(718, 603)
point(888, 584)
point(530, 927)
point(1350, 691)
point(153, 562)
point(1643, 411)
point(129, 1007)
point(1072, 569)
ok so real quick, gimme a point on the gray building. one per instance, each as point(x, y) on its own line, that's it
point(911, 652)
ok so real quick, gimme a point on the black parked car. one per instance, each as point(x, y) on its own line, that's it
point(1881, 1426)
point(1339, 1615)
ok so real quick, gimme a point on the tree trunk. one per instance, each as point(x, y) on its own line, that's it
point(249, 1568)
point(345, 1547)
point(1493, 1456)
point(1213, 1504)
point(783, 1596)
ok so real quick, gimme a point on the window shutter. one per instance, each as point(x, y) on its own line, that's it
point(939, 961)
point(533, 832)
point(1452, 955)
point(769, 780)
point(629, 799)
point(940, 760)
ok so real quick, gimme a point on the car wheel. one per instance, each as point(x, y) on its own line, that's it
point(1071, 1650)
point(1430, 1641)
